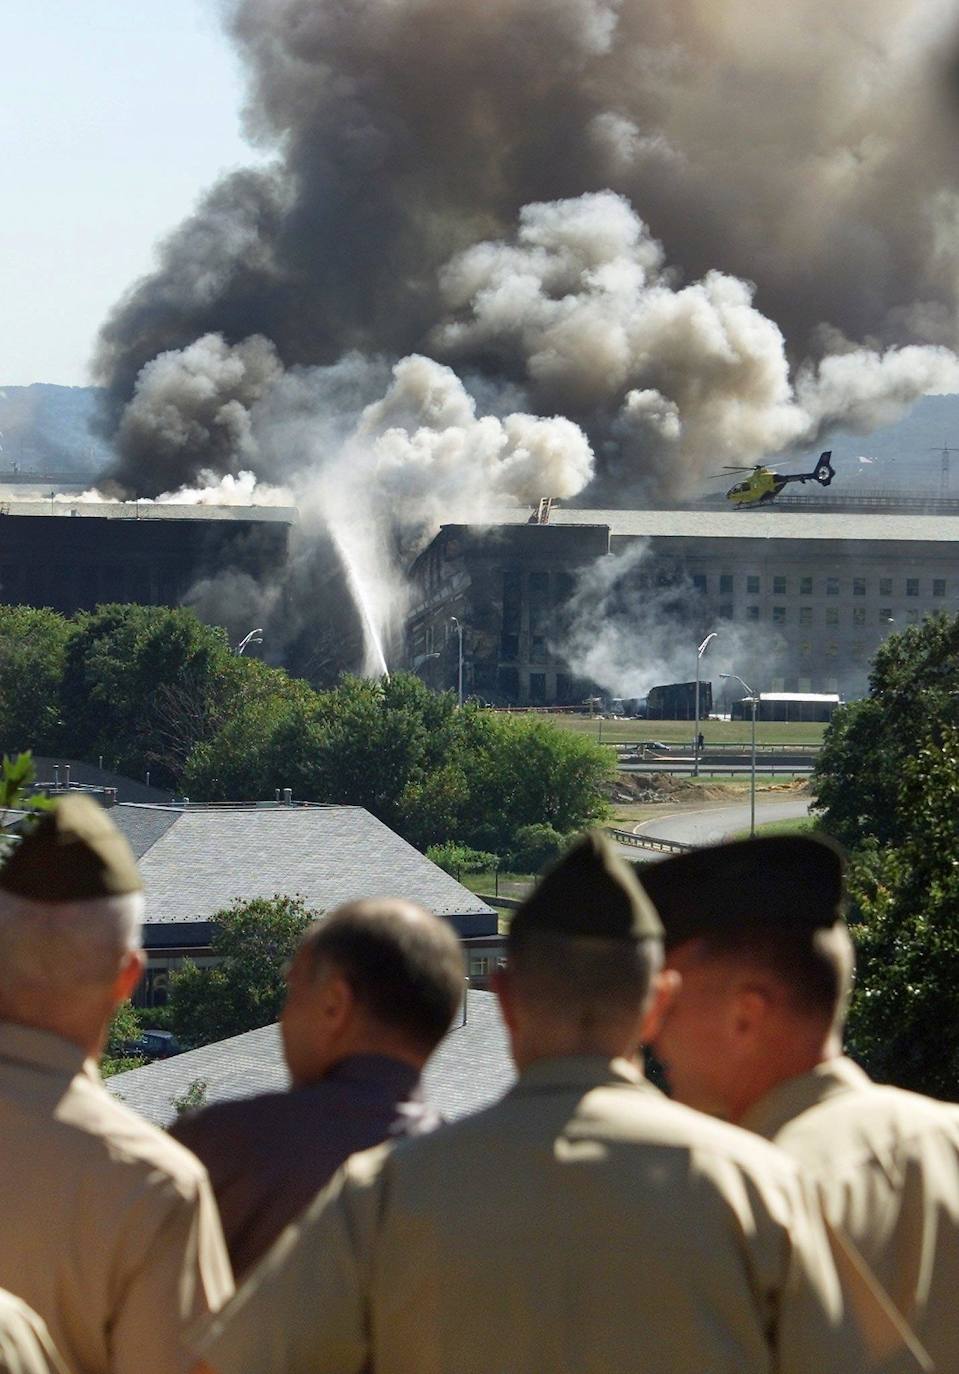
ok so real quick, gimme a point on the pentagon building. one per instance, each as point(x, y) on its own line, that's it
point(810, 595)
point(75, 555)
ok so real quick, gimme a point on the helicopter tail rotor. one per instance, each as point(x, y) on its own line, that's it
point(824, 472)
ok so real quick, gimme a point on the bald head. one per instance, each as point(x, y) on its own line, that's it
point(377, 976)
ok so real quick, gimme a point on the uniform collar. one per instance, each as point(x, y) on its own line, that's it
point(41, 1049)
point(579, 1071)
point(793, 1096)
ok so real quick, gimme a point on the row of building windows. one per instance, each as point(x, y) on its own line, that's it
point(832, 615)
point(832, 586)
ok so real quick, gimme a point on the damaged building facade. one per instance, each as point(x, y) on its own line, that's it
point(809, 595)
point(75, 556)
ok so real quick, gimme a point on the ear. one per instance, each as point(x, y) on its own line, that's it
point(663, 992)
point(749, 1008)
point(128, 975)
point(335, 1000)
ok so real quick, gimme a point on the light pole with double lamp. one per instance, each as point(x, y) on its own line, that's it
point(459, 671)
point(754, 700)
point(254, 637)
point(699, 658)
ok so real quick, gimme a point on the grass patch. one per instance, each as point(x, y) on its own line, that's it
point(505, 884)
point(681, 731)
point(797, 825)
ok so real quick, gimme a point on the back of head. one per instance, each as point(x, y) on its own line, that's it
point(403, 964)
point(583, 947)
point(70, 908)
point(774, 904)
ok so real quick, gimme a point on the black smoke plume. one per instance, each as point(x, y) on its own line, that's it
point(804, 145)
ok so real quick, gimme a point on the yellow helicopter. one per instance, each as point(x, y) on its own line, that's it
point(764, 484)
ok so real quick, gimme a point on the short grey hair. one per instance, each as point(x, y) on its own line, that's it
point(50, 945)
point(585, 981)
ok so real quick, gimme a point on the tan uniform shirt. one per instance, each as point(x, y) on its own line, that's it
point(108, 1228)
point(887, 1163)
point(25, 1345)
point(584, 1223)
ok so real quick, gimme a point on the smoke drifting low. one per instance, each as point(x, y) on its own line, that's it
point(623, 629)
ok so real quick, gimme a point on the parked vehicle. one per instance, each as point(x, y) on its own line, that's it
point(153, 1044)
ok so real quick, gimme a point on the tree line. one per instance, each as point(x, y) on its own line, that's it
point(153, 689)
point(887, 786)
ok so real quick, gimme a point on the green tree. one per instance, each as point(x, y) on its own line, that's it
point(125, 1026)
point(888, 785)
point(245, 989)
point(913, 686)
point(146, 686)
point(904, 1018)
point(429, 770)
point(33, 651)
point(524, 771)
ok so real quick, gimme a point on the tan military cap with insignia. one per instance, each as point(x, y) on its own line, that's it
point(592, 892)
point(792, 882)
point(73, 853)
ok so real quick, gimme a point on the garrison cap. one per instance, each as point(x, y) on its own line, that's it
point(73, 853)
point(589, 891)
point(792, 882)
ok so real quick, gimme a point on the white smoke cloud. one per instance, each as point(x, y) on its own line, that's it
point(198, 399)
point(627, 632)
point(672, 378)
point(245, 489)
point(678, 376)
point(373, 457)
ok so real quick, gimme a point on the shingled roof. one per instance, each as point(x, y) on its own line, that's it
point(470, 1069)
point(195, 860)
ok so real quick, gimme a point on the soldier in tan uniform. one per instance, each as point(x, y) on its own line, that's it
point(583, 1223)
point(25, 1345)
point(755, 1036)
point(108, 1228)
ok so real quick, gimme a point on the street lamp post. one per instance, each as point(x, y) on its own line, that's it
point(254, 637)
point(459, 670)
point(754, 701)
point(699, 658)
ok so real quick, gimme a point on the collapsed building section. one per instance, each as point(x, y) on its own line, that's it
point(801, 601)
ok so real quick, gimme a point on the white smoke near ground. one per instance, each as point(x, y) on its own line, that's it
point(631, 624)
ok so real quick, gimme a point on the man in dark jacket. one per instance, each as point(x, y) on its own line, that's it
point(373, 989)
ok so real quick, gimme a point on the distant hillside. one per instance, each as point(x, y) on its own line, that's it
point(46, 429)
point(907, 454)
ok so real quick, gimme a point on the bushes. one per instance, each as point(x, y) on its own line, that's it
point(535, 846)
point(457, 859)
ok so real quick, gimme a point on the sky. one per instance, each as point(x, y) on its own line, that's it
point(114, 116)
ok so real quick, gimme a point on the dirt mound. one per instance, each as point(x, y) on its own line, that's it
point(650, 789)
point(653, 788)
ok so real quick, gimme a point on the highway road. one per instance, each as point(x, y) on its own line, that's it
point(713, 823)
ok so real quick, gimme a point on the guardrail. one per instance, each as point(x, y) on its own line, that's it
point(766, 768)
point(742, 747)
point(648, 841)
